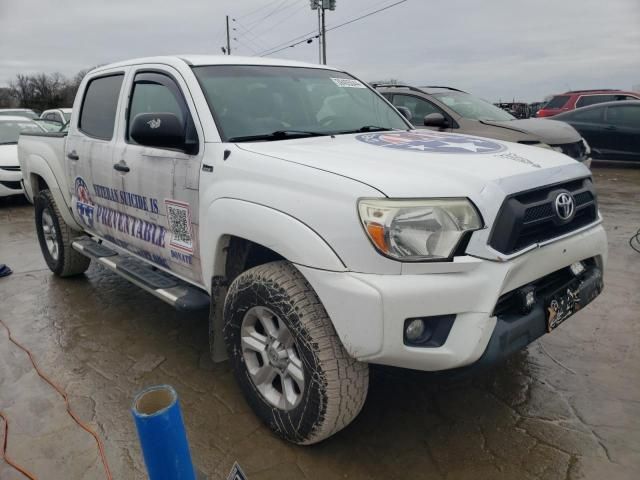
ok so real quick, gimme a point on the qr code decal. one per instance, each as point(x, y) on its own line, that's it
point(179, 222)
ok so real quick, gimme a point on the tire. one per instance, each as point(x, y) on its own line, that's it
point(51, 228)
point(334, 386)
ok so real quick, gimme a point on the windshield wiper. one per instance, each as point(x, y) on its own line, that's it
point(366, 128)
point(277, 135)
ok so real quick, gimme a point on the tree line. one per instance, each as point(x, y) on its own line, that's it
point(41, 91)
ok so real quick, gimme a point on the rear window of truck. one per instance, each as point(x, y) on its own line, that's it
point(98, 113)
point(557, 102)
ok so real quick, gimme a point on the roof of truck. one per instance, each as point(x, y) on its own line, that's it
point(198, 60)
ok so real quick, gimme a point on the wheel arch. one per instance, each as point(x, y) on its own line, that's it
point(41, 177)
point(242, 235)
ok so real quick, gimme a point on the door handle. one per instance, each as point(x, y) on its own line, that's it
point(72, 155)
point(610, 127)
point(121, 167)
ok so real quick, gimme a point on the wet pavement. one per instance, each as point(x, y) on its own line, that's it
point(568, 407)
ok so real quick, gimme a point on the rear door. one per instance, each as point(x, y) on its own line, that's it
point(159, 195)
point(89, 151)
point(623, 130)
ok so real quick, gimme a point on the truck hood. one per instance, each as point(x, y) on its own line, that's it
point(9, 155)
point(551, 132)
point(426, 163)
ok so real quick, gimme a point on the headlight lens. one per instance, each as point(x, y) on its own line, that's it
point(412, 230)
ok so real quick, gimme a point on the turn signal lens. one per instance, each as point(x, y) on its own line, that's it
point(376, 234)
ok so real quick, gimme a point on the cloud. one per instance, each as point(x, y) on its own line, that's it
point(499, 49)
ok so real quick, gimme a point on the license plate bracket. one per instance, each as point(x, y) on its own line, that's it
point(572, 297)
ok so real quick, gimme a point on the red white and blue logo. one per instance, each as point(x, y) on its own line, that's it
point(432, 142)
point(84, 204)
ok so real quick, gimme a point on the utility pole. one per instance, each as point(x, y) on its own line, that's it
point(324, 39)
point(321, 6)
point(319, 35)
point(228, 38)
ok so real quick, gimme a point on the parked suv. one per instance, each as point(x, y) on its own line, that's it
point(583, 98)
point(452, 110)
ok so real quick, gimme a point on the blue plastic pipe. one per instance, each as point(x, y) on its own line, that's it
point(156, 412)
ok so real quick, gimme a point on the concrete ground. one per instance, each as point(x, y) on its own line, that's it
point(566, 408)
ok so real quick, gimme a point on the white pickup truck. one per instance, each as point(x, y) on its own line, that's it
point(322, 232)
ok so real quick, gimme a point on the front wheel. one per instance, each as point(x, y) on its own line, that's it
point(287, 357)
point(55, 238)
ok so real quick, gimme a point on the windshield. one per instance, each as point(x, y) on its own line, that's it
point(19, 113)
point(252, 101)
point(67, 116)
point(468, 106)
point(10, 130)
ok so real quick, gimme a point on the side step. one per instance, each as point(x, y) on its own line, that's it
point(181, 295)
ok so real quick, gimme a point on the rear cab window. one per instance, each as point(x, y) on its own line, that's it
point(99, 106)
point(558, 101)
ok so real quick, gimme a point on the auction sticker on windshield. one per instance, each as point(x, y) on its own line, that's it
point(348, 82)
point(432, 142)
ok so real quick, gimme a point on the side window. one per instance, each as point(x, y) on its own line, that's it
point(624, 115)
point(157, 93)
point(98, 113)
point(592, 115)
point(418, 107)
point(593, 99)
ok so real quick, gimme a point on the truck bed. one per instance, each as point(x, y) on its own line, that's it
point(44, 152)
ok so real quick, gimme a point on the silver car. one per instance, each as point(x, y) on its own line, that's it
point(452, 110)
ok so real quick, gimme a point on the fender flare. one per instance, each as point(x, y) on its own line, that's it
point(271, 228)
point(38, 167)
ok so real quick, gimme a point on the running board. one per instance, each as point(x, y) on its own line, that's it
point(177, 293)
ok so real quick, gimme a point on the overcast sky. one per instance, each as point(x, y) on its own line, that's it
point(497, 49)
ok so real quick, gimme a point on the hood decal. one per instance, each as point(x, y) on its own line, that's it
point(432, 142)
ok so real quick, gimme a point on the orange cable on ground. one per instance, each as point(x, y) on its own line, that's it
point(63, 394)
point(22, 470)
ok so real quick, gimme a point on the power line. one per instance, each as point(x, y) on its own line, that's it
point(271, 51)
point(366, 15)
point(245, 45)
point(263, 7)
point(279, 8)
point(263, 54)
point(248, 32)
point(283, 19)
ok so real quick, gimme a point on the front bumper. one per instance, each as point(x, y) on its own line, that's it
point(368, 311)
point(10, 183)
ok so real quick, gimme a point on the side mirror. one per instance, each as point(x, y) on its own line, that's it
point(406, 113)
point(162, 130)
point(435, 120)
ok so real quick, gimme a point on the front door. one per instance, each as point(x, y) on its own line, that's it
point(89, 151)
point(159, 196)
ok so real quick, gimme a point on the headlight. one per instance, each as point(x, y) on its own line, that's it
point(413, 230)
point(549, 147)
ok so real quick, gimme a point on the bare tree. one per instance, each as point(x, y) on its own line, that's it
point(44, 90)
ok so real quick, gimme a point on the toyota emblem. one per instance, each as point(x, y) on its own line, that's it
point(565, 206)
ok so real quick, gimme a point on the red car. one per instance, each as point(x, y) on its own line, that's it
point(582, 98)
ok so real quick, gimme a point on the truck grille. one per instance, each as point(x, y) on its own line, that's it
point(10, 169)
point(530, 217)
